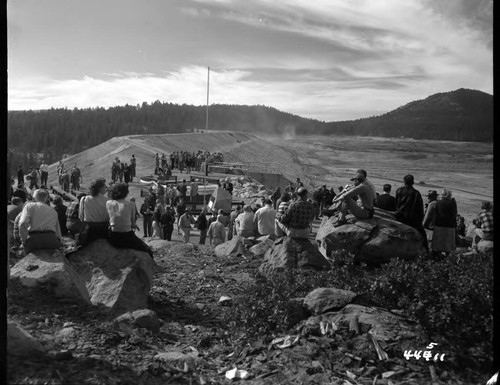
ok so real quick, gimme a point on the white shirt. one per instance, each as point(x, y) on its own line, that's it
point(265, 219)
point(44, 167)
point(93, 209)
point(38, 216)
point(371, 185)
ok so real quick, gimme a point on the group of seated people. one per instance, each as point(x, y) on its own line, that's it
point(101, 214)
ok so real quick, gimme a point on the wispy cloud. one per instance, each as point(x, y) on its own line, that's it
point(325, 59)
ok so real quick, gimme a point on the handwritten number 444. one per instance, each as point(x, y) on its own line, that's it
point(427, 355)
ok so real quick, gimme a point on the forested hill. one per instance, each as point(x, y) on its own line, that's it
point(62, 131)
point(463, 115)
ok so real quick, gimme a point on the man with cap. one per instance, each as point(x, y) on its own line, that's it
point(298, 217)
point(362, 208)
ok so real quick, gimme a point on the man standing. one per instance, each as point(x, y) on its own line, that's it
point(410, 207)
point(185, 222)
point(297, 219)
point(232, 217)
point(39, 224)
point(484, 224)
point(33, 179)
point(217, 232)
point(182, 187)
point(147, 218)
point(386, 201)
point(265, 217)
point(132, 168)
point(44, 174)
point(65, 180)
point(20, 176)
point(202, 225)
point(75, 177)
point(362, 208)
point(193, 194)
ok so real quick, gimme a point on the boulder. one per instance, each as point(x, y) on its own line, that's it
point(183, 361)
point(20, 343)
point(260, 248)
point(292, 253)
point(374, 241)
point(234, 246)
point(484, 246)
point(50, 270)
point(143, 318)
point(322, 300)
point(382, 324)
point(158, 244)
point(118, 279)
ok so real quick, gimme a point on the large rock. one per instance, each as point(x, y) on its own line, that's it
point(234, 246)
point(260, 248)
point(20, 343)
point(324, 299)
point(374, 241)
point(118, 279)
point(144, 318)
point(484, 246)
point(381, 323)
point(50, 270)
point(292, 253)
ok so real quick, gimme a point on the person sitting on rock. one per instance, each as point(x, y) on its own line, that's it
point(362, 208)
point(217, 232)
point(298, 217)
point(484, 225)
point(265, 217)
point(122, 221)
point(39, 225)
point(368, 182)
point(245, 222)
point(386, 201)
point(93, 212)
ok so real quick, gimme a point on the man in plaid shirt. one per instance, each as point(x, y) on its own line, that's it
point(484, 224)
point(297, 219)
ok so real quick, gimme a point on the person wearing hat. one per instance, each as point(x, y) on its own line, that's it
point(410, 207)
point(362, 208)
point(298, 217)
point(386, 201)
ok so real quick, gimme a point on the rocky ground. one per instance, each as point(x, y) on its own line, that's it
point(84, 346)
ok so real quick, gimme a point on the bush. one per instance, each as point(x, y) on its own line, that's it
point(451, 299)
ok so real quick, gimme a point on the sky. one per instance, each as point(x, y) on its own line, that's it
point(329, 60)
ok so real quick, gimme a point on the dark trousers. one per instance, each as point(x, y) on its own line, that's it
point(203, 236)
point(43, 178)
point(97, 230)
point(167, 232)
point(128, 240)
point(147, 225)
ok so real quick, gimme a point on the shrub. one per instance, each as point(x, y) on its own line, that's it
point(452, 299)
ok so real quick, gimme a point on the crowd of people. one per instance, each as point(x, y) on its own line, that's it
point(185, 161)
point(108, 214)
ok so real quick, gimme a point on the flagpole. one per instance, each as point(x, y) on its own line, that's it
point(208, 90)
